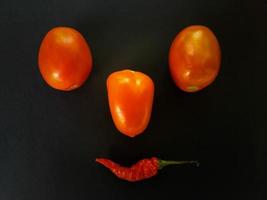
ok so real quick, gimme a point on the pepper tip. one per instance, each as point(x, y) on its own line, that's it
point(98, 160)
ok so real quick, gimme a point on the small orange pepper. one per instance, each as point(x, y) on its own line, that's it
point(130, 96)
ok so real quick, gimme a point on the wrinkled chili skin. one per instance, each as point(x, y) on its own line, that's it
point(143, 169)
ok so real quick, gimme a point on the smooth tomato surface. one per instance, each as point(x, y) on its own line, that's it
point(130, 96)
point(194, 58)
point(65, 60)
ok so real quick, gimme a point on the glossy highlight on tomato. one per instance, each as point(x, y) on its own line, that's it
point(65, 59)
point(130, 96)
point(194, 58)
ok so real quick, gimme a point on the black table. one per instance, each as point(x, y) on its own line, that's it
point(49, 139)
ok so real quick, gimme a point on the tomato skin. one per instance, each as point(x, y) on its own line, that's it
point(194, 58)
point(65, 59)
point(130, 96)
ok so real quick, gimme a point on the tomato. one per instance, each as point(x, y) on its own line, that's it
point(130, 96)
point(194, 58)
point(65, 59)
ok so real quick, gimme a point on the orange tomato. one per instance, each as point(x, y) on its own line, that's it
point(130, 96)
point(194, 58)
point(65, 60)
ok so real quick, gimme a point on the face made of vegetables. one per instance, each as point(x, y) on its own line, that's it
point(65, 62)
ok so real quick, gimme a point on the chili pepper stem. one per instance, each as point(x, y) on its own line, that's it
point(163, 163)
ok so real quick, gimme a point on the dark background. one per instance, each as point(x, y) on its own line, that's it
point(49, 139)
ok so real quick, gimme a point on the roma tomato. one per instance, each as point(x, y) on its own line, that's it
point(130, 96)
point(65, 60)
point(194, 58)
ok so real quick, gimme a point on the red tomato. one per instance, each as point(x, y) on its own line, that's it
point(194, 58)
point(130, 96)
point(65, 60)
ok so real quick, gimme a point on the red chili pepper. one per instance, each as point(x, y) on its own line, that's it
point(143, 169)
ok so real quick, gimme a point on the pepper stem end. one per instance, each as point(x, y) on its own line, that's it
point(164, 163)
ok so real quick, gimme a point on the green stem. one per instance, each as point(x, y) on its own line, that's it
point(163, 163)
